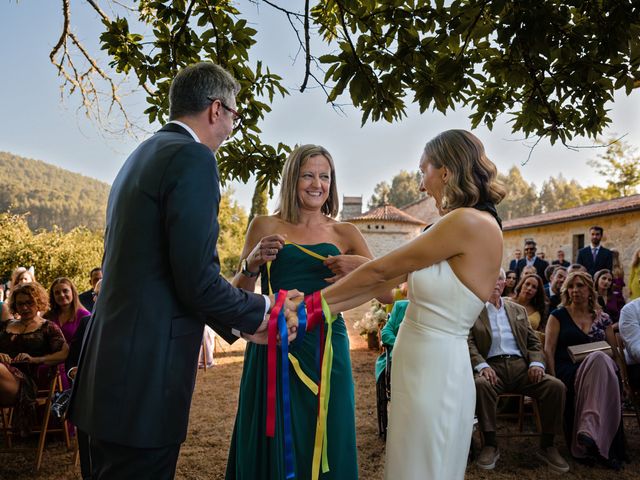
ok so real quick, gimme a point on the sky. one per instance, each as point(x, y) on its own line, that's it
point(37, 122)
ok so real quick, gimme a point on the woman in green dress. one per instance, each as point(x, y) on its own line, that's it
point(300, 247)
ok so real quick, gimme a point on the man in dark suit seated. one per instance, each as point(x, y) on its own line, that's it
point(507, 357)
point(530, 259)
point(557, 279)
point(560, 260)
point(87, 299)
point(517, 255)
point(595, 257)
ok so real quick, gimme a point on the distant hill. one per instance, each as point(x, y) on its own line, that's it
point(51, 195)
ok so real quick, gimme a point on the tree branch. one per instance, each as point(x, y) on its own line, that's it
point(308, 48)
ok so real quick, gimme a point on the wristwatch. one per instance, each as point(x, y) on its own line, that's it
point(245, 270)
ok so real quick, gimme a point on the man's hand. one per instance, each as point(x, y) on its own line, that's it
point(4, 358)
point(342, 265)
point(294, 297)
point(490, 374)
point(536, 374)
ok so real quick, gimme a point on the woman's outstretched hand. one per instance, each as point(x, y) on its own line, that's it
point(342, 265)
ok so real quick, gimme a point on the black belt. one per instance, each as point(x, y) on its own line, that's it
point(503, 357)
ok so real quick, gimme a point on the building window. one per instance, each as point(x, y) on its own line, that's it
point(577, 244)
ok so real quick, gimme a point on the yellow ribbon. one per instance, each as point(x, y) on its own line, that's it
point(320, 446)
point(311, 385)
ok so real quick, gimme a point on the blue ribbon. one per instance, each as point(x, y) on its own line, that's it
point(302, 324)
point(286, 397)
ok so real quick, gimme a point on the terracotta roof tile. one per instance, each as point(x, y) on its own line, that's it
point(387, 213)
point(606, 207)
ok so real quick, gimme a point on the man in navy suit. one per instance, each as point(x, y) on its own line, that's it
point(595, 257)
point(513, 264)
point(530, 258)
point(162, 283)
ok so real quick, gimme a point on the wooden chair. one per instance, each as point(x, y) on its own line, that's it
point(51, 384)
point(630, 393)
point(521, 414)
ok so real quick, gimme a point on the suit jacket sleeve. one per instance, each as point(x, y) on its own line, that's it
point(191, 203)
point(476, 357)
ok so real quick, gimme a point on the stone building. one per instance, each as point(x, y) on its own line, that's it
point(386, 228)
point(423, 209)
point(569, 230)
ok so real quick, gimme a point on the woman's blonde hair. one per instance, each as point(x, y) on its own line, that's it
point(19, 272)
point(586, 278)
point(289, 205)
point(473, 174)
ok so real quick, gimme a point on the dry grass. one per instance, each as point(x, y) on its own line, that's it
point(204, 454)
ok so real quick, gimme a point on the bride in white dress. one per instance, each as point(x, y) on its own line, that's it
point(451, 271)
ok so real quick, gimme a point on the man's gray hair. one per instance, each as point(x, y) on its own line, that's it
point(194, 85)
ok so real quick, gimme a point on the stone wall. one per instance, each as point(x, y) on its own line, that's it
point(424, 210)
point(621, 231)
point(382, 237)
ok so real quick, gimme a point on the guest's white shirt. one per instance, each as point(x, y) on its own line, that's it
point(630, 330)
point(532, 261)
point(502, 340)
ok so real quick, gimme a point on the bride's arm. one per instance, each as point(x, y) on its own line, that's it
point(451, 236)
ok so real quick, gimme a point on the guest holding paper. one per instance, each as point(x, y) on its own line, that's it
point(593, 419)
point(300, 247)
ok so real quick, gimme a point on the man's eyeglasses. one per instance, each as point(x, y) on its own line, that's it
point(237, 118)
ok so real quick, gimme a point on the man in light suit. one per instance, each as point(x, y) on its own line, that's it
point(530, 259)
point(162, 283)
point(595, 257)
point(507, 357)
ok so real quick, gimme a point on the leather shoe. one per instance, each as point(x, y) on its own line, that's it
point(488, 457)
point(552, 457)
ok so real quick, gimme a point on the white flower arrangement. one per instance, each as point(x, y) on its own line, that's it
point(372, 320)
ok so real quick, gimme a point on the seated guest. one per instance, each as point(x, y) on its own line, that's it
point(87, 299)
point(66, 311)
point(617, 272)
point(557, 279)
point(547, 279)
point(593, 417)
point(531, 259)
point(389, 332)
point(25, 344)
point(611, 302)
point(22, 275)
point(634, 276)
point(510, 284)
point(507, 358)
point(528, 270)
point(630, 333)
point(560, 259)
point(595, 257)
point(576, 267)
point(517, 255)
point(530, 294)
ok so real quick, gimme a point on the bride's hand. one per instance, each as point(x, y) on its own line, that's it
point(265, 251)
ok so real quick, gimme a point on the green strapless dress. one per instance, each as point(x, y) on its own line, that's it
point(253, 455)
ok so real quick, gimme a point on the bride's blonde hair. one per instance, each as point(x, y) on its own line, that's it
point(473, 175)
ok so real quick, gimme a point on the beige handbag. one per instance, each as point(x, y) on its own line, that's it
point(577, 353)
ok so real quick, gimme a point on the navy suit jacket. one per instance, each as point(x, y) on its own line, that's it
point(541, 266)
point(161, 284)
point(604, 259)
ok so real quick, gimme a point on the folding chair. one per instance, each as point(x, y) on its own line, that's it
point(630, 393)
point(520, 414)
point(383, 393)
point(51, 383)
